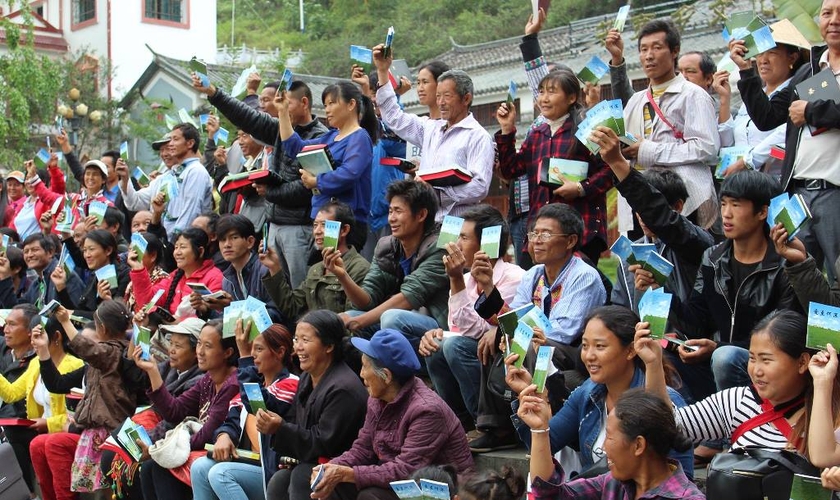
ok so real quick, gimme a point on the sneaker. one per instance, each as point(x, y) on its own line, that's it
point(490, 441)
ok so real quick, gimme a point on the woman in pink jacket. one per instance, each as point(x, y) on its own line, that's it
point(194, 266)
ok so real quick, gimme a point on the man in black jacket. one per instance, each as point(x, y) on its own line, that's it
point(289, 201)
point(811, 166)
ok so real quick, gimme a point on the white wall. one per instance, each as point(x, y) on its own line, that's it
point(130, 36)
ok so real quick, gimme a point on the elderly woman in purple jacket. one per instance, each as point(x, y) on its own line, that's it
point(407, 427)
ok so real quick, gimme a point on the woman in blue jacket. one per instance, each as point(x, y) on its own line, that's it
point(609, 357)
point(355, 129)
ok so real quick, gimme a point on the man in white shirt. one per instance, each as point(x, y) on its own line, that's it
point(186, 185)
point(811, 166)
point(454, 140)
point(674, 121)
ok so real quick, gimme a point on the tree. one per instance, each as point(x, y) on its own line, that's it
point(801, 13)
point(28, 83)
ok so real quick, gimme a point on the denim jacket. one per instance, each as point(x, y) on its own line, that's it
point(580, 420)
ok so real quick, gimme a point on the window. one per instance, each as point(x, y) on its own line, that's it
point(165, 10)
point(84, 10)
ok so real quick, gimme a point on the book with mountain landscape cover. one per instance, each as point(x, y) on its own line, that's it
point(509, 320)
point(450, 230)
point(659, 266)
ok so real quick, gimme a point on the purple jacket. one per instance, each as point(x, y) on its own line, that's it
point(415, 430)
point(201, 401)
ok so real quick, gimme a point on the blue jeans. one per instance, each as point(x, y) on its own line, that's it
point(456, 372)
point(213, 480)
point(729, 366)
point(410, 323)
point(293, 245)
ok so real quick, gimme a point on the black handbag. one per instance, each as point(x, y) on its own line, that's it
point(754, 473)
point(12, 484)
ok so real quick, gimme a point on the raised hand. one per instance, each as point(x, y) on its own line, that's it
point(823, 366)
point(737, 49)
point(792, 251)
point(196, 83)
point(506, 116)
point(615, 46)
point(534, 410)
point(534, 26)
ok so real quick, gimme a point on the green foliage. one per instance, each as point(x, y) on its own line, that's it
point(682, 16)
point(802, 14)
point(719, 10)
point(27, 93)
point(423, 29)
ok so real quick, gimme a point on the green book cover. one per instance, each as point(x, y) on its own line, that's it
point(654, 308)
point(491, 241)
point(659, 266)
point(808, 488)
point(97, 209)
point(107, 273)
point(823, 326)
point(255, 396)
point(542, 366)
point(124, 152)
point(521, 340)
point(509, 320)
point(450, 230)
point(144, 340)
point(231, 315)
point(407, 490)
point(332, 230)
point(139, 245)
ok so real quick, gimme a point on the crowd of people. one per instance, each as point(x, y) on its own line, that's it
point(384, 361)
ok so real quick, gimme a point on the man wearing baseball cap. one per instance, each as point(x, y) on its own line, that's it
point(407, 423)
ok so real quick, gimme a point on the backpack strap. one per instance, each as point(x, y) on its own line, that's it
point(769, 415)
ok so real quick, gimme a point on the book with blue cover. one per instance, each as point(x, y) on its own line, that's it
point(407, 490)
point(640, 253)
point(450, 230)
point(511, 94)
point(521, 340)
point(594, 70)
point(362, 56)
point(491, 241)
point(536, 318)
point(140, 176)
point(729, 155)
point(654, 308)
point(823, 326)
point(554, 170)
point(231, 314)
point(255, 396)
point(542, 366)
point(139, 245)
point(434, 490)
point(509, 320)
point(42, 158)
point(222, 136)
point(107, 273)
point(97, 209)
point(622, 247)
point(659, 266)
point(124, 151)
point(257, 315)
point(621, 18)
point(793, 214)
point(332, 231)
point(200, 69)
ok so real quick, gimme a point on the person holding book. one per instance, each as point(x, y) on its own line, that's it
point(31, 207)
point(455, 362)
point(39, 255)
point(739, 282)
point(329, 407)
point(246, 199)
point(243, 278)
point(185, 187)
point(208, 401)
point(805, 275)
point(265, 361)
point(779, 383)
point(811, 168)
point(610, 359)
point(776, 68)
point(455, 140)
point(349, 145)
point(639, 433)
point(47, 410)
point(152, 261)
point(101, 258)
point(180, 372)
point(68, 462)
point(193, 267)
point(582, 180)
point(406, 286)
point(407, 426)
point(673, 120)
point(824, 451)
point(289, 200)
point(321, 289)
point(656, 197)
point(15, 356)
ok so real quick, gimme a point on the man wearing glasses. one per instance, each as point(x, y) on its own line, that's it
point(564, 287)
